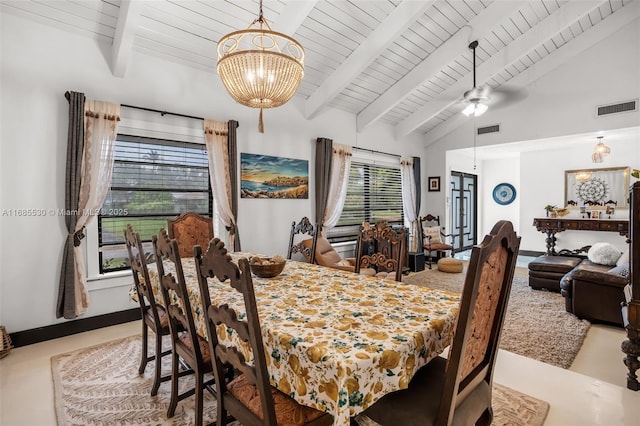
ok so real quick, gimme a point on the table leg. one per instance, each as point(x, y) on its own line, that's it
point(551, 243)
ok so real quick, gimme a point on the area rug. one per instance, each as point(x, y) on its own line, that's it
point(100, 385)
point(536, 326)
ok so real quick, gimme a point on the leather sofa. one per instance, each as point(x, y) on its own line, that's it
point(547, 271)
point(593, 292)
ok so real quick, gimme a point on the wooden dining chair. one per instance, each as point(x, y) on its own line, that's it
point(296, 245)
point(434, 240)
point(386, 258)
point(249, 397)
point(458, 390)
point(189, 349)
point(154, 316)
point(190, 229)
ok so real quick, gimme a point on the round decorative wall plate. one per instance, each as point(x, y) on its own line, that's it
point(504, 193)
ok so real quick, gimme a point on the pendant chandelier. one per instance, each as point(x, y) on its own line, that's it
point(260, 68)
point(600, 151)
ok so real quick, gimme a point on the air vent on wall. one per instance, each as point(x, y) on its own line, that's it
point(616, 108)
point(488, 129)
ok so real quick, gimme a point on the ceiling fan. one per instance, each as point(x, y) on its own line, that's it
point(479, 98)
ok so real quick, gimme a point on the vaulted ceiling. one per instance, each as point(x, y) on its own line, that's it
point(403, 62)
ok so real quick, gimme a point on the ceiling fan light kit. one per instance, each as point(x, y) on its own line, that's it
point(477, 95)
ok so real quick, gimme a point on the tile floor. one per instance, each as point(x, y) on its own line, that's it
point(592, 392)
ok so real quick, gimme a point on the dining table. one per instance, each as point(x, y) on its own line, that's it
point(335, 340)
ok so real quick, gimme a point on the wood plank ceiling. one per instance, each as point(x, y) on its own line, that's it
point(404, 62)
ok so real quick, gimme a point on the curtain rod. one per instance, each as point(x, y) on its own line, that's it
point(377, 152)
point(162, 113)
point(67, 94)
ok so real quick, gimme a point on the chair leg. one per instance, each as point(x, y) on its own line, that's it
point(199, 397)
point(174, 384)
point(158, 369)
point(144, 358)
point(486, 418)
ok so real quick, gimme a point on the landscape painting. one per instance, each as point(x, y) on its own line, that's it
point(264, 176)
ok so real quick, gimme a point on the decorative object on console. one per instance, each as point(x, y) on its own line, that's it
point(605, 186)
point(594, 214)
point(259, 67)
point(600, 151)
point(604, 254)
point(504, 194)
point(434, 183)
point(551, 210)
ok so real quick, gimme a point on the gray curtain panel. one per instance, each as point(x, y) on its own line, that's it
point(324, 152)
point(416, 177)
point(232, 145)
point(75, 146)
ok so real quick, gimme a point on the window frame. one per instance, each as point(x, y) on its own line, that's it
point(140, 123)
point(348, 233)
point(161, 144)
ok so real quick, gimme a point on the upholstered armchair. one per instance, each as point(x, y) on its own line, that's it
point(327, 256)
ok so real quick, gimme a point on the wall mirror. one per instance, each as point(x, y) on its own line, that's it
point(596, 188)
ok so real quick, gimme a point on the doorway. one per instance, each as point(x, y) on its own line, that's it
point(464, 210)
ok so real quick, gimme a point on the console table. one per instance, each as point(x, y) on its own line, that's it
point(551, 226)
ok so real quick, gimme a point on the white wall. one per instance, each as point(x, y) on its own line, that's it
point(559, 103)
point(38, 64)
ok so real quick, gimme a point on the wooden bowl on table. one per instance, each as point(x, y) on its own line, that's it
point(267, 267)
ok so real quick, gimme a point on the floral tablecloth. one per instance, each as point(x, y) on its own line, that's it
point(335, 340)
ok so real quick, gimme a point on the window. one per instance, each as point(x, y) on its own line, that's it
point(374, 193)
point(152, 181)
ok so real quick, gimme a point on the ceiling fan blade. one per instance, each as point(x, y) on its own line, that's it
point(506, 95)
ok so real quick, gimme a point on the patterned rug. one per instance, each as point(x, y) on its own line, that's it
point(536, 326)
point(100, 385)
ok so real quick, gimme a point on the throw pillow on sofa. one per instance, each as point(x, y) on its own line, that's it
point(604, 254)
point(624, 258)
point(622, 270)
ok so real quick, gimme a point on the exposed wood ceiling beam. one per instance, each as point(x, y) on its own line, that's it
point(403, 16)
point(125, 34)
point(432, 64)
point(510, 54)
point(293, 15)
point(555, 59)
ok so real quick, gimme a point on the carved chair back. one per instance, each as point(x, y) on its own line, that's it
point(153, 315)
point(188, 347)
point(483, 305)
point(296, 244)
point(249, 397)
point(388, 252)
point(190, 229)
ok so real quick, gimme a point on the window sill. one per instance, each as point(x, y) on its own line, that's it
point(109, 280)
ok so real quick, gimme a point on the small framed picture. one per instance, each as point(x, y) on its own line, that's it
point(610, 211)
point(434, 183)
point(595, 214)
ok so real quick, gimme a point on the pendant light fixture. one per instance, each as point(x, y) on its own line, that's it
point(477, 95)
point(259, 67)
point(600, 151)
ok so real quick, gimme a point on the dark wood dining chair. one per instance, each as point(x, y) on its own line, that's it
point(189, 349)
point(296, 245)
point(249, 397)
point(386, 258)
point(154, 316)
point(458, 390)
point(190, 229)
point(434, 240)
